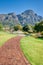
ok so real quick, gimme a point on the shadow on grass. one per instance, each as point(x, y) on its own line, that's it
point(41, 38)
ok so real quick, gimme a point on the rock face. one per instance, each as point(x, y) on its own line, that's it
point(27, 17)
point(9, 19)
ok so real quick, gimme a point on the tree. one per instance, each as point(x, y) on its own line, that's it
point(17, 27)
point(30, 28)
point(26, 28)
point(1, 26)
point(39, 27)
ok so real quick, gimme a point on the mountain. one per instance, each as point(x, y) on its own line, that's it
point(29, 17)
point(9, 19)
point(26, 17)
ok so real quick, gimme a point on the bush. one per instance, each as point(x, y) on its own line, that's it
point(17, 27)
point(34, 35)
point(42, 33)
point(1, 27)
point(39, 27)
point(26, 33)
point(26, 28)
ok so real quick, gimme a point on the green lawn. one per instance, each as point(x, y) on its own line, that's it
point(33, 50)
point(4, 36)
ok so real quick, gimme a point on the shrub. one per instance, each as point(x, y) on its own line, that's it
point(17, 27)
point(26, 28)
point(1, 27)
point(34, 35)
point(42, 33)
point(39, 27)
point(26, 33)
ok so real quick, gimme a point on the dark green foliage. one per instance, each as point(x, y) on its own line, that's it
point(15, 28)
point(26, 28)
point(1, 26)
point(39, 27)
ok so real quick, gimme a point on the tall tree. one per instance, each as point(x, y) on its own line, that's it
point(39, 27)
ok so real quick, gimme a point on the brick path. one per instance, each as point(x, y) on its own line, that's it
point(11, 54)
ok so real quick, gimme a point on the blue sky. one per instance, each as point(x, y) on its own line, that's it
point(19, 6)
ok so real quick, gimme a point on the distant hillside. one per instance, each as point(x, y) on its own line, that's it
point(29, 17)
point(9, 19)
point(26, 17)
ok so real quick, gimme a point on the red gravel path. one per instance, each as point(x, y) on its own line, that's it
point(11, 54)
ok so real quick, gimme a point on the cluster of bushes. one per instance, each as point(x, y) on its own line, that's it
point(26, 28)
point(1, 27)
point(37, 28)
point(17, 27)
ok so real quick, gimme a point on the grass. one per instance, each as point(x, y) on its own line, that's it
point(33, 50)
point(4, 36)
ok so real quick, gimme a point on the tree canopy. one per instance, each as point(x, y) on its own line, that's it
point(39, 27)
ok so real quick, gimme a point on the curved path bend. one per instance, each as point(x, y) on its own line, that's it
point(11, 54)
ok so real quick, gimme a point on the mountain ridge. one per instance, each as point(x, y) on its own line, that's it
point(26, 17)
point(30, 17)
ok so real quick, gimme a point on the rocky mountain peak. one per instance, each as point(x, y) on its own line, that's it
point(26, 17)
point(28, 12)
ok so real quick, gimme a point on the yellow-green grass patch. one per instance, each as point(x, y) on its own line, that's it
point(32, 49)
point(4, 36)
